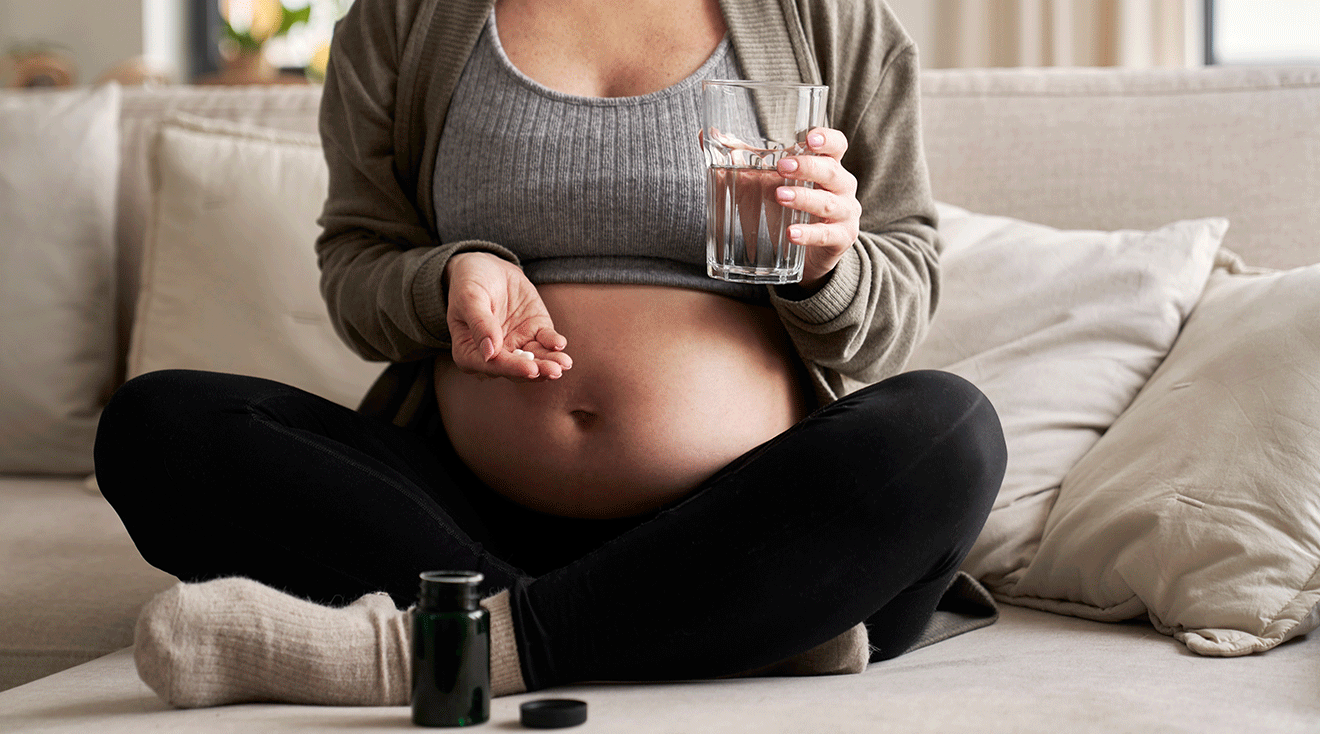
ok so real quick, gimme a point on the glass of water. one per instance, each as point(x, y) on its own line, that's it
point(747, 127)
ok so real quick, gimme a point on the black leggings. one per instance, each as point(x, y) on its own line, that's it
point(861, 512)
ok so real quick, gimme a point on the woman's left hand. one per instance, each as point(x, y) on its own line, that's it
point(832, 201)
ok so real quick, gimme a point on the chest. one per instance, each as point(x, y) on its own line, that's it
point(617, 49)
point(553, 175)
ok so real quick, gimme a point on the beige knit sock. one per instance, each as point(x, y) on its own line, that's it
point(850, 652)
point(234, 640)
point(505, 669)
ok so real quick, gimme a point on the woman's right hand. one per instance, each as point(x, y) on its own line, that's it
point(493, 309)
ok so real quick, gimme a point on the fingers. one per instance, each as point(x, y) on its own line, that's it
point(832, 197)
point(522, 366)
point(549, 362)
point(530, 362)
point(551, 339)
point(836, 217)
point(537, 355)
point(549, 365)
point(552, 361)
point(823, 171)
point(826, 206)
point(822, 235)
point(828, 142)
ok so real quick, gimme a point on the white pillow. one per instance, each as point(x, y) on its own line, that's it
point(59, 166)
point(1060, 329)
point(229, 275)
point(1201, 506)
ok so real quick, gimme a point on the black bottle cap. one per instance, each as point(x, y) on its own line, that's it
point(445, 591)
point(553, 713)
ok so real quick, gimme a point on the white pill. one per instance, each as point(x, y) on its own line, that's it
point(521, 353)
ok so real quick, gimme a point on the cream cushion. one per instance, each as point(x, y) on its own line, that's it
point(1060, 329)
point(229, 278)
point(289, 107)
point(1201, 506)
point(59, 162)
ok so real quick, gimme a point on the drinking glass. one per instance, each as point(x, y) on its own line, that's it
point(747, 127)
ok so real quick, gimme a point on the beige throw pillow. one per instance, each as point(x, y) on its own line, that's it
point(59, 166)
point(1201, 506)
point(229, 278)
point(1060, 329)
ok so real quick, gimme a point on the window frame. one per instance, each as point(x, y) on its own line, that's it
point(204, 29)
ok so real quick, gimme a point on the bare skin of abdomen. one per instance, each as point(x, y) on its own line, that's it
point(667, 387)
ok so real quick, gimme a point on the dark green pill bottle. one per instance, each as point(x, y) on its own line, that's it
point(450, 651)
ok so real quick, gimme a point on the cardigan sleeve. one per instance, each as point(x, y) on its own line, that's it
point(380, 260)
point(868, 317)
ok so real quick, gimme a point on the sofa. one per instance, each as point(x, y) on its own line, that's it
point(1130, 275)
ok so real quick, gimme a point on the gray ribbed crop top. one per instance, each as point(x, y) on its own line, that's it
point(583, 189)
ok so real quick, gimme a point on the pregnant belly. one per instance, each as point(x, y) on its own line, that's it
point(667, 386)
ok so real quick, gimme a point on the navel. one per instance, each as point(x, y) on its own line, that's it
point(584, 419)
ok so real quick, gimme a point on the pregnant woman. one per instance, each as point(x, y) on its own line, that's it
point(685, 478)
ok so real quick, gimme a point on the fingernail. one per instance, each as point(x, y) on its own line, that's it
point(794, 232)
point(785, 194)
point(488, 349)
point(788, 165)
point(815, 140)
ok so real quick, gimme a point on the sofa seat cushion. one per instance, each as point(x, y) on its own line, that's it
point(71, 581)
point(1030, 673)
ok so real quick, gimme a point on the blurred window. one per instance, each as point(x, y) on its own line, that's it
point(1262, 31)
point(307, 35)
point(293, 35)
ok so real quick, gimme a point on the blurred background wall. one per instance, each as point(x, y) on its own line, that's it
point(97, 35)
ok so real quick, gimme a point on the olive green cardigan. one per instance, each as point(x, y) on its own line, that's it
point(393, 68)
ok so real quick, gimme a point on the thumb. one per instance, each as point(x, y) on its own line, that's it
point(487, 334)
point(471, 311)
